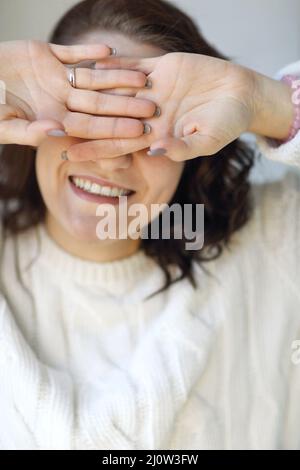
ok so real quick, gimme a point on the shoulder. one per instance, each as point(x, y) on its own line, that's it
point(271, 235)
point(276, 208)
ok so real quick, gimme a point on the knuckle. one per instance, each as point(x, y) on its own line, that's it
point(100, 102)
point(114, 127)
point(113, 76)
point(88, 126)
point(127, 102)
point(70, 99)
point(92, 79)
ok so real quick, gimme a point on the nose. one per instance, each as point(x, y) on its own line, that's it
point(114, 163)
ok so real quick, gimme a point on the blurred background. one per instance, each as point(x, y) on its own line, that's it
point(260, 34)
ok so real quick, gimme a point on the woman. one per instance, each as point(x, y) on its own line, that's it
point(137, 343)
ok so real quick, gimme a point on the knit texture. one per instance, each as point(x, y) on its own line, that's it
point(87, 363)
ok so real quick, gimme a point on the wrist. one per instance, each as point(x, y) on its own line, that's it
point(273, 110)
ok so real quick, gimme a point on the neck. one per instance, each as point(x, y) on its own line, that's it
point(91, 250)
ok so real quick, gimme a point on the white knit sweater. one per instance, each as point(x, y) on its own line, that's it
point(85, 363)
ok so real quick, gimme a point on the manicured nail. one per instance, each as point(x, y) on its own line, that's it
point(148, 83)
point(113, 51)
point(64, 155)
point(157, 111)
point(56, 133)
point(147, 128)
point(155, 152)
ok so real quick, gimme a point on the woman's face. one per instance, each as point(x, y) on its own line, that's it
point(72, 211)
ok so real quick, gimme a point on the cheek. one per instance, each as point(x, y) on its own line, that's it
point(162, 178)
point(45, 171)
point(49, 170)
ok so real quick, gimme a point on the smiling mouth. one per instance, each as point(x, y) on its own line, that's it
point(91, 187)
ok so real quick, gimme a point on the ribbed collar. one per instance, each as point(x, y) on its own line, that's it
point(138, 274)
point(125, 270)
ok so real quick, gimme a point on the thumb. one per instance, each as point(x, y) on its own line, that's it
point(187, 147)
point(16, 129)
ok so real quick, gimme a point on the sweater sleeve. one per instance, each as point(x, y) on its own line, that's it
point(278, 202)
point(287, 152)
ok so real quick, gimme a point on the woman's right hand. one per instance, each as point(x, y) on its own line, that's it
point(39, 98)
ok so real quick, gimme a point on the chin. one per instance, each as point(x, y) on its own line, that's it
point(82, 230)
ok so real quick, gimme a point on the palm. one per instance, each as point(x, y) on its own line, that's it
point(36, 81)
point(206, 103)
point(198, 93)
point(39, 96)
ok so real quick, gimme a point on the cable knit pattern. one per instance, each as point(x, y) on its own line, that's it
point(86, 362)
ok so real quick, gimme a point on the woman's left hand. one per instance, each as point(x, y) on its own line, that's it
point(205, 102)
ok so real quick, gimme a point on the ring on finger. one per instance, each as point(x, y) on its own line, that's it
point(72, 76)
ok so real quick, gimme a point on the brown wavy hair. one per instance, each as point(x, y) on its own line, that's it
point(220, 182)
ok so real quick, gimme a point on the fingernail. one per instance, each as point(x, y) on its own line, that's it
point(56, 133)
point(157, 111)
point(148, 83)
point(155, 152)
point(64, 155)
point(147, 128)
point(113, 51)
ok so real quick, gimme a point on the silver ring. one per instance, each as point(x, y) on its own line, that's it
point(72, 76)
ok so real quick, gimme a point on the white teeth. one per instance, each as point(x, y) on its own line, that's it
point(106, 190)
point(114, 192)
point(95, 188)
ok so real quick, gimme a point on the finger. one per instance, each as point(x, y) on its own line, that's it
point(145, 65)
point(106, 148)
point(93, 102)
point(188, 147)
point(77, 53)
point(86, 126)
point(125, 161)
point(90, 79)
point(16, 130)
